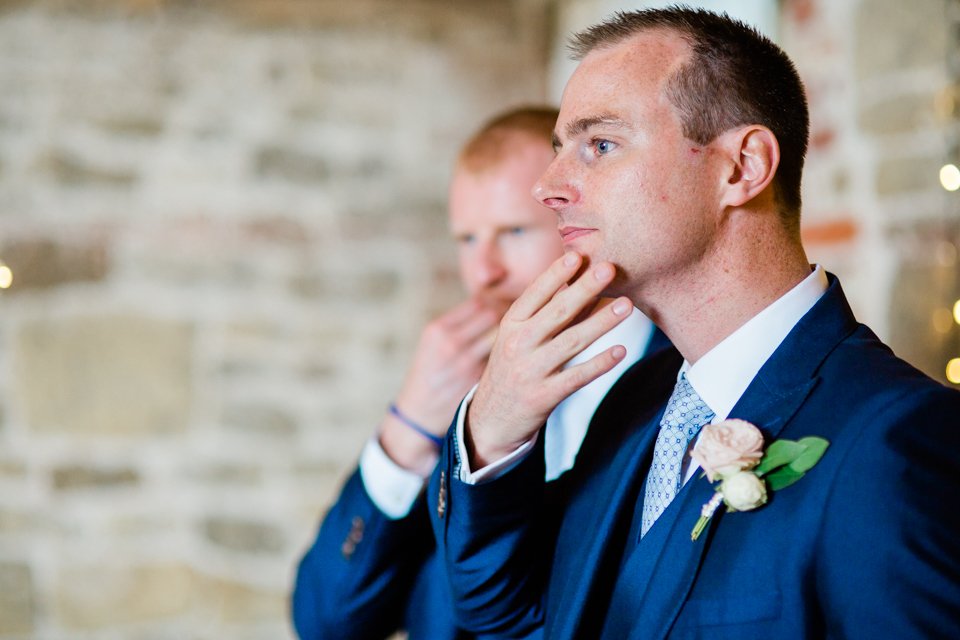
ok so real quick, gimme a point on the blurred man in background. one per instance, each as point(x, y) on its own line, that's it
point(373, 569)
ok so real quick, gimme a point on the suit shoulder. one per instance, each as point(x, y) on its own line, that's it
point(867, 369)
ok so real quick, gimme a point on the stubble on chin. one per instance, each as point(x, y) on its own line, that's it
point(496, 303)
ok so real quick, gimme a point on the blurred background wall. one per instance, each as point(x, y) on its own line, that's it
point(225, 222)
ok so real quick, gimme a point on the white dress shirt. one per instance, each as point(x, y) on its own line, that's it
point(394, 489)
point(722, 375)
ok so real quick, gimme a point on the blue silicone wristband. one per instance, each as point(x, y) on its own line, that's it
point(437, 440)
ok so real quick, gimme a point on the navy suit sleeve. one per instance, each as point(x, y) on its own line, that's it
point(356, 578)
point(493, 539)
point(889, 563)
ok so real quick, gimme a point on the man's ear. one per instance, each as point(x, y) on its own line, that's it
point(755, 155)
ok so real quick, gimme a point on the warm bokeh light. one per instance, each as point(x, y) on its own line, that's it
point(942, 320)
point(6, 276)
point(956, 311)
point(950, 177)
point(953, 371)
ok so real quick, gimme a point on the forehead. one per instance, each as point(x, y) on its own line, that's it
point(619, 80)
point(500, 195)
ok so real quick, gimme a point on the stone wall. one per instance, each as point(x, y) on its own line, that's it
point(226, 225)
point(882, 109)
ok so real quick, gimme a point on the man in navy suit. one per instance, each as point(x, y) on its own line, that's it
point(372, 570)
point(676, 183)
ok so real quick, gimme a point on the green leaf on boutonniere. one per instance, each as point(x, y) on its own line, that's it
point(813, 451)
point(779, 453)
point(782, 478)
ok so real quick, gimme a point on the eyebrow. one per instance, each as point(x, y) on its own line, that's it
point(578, 127)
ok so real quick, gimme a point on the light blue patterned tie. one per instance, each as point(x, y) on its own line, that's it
point(686, 413)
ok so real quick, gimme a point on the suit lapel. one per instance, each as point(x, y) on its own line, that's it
point(603, 487)
point(770, 402)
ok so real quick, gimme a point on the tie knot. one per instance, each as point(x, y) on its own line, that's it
point(686, 410)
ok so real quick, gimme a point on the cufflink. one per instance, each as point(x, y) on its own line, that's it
point(353, 538)
point(442, 495)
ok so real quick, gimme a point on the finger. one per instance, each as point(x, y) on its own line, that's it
point(480, 349)
point(564, 308)
point(577, 377)
point(478, 324)
point(577, 337)
point(545, 287)
point(460, 313)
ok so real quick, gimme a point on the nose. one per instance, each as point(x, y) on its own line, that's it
point(488, 266)
point(554, 188)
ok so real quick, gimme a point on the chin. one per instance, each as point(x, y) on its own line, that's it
point(498, 302)
point(620, 286)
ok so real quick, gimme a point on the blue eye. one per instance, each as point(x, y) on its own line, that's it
point(516, 231)
point(603, 146)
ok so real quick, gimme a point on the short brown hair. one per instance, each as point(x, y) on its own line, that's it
point(736, 76)
point(493, 142)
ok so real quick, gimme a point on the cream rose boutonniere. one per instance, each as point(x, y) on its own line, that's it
point(732, 452)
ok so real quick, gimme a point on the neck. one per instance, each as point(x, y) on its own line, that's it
point(735, 281)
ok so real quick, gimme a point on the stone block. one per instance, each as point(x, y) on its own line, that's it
point(16, 522)
point(73, 477)
point(243, 535)
point(894, 36)
point(40, 263)
point(70, 170)
point(8, 5)
point(228, 474)
point(10, 469)
point(291, 165)
point(897, 176)
point(840, 229)
point(122, 595)
point(17, 602)
point(237, 603)
point(901, 114)
point(258, 419)
point(277, 230)
point(139, 125)
point(378, 285)
point(299, 167)
point(111, 375)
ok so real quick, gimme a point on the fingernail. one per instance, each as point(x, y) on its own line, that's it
point(619, 352)
point(570, 259)
point(620, 307)
point(602, 272)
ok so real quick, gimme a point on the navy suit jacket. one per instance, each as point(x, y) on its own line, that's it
point(866, 545)
point(367, 576)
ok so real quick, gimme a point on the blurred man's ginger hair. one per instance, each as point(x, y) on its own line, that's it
point(494, 142)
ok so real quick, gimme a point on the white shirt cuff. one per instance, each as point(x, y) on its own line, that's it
point(494, 469)
point(393, 489)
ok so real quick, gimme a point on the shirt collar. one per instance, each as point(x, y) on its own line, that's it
point(722, 375)
point(633, 333)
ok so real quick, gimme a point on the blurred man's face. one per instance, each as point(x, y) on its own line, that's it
point(505, 238)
